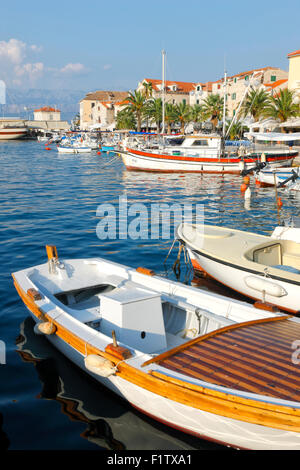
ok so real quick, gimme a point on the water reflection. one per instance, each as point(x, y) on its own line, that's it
point(110, 423)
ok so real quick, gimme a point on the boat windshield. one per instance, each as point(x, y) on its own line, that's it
point(174, 141)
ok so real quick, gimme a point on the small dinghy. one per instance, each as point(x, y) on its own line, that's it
point(199, 362)
point(280, 176)
point(265, 268)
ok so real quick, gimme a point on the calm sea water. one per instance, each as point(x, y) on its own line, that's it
point(48, 198)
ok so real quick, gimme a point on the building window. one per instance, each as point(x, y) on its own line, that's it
point(234, 80)
point(198, 87)
point(234, 112)
point(219, 86)
point(247, 77)
point(273, 78)
point(233, 96)
point(197, 101)
point(184, 101)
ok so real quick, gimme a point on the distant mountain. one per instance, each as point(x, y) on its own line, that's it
point(67, 101)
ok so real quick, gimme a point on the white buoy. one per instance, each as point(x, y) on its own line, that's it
point(99, 365)
point(45, 328)
point(241, 165)
point(248, 193)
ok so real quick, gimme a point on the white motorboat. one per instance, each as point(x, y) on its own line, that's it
point(202, 154)
point(264, 268)
point(199, 362)
point(73, 145)
point(11, 129)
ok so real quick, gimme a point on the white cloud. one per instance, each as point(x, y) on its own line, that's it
point(33, 71)
point(107, 66)
point(73, 69)
point(36, 48)
point(20, 65)
point(12, 51)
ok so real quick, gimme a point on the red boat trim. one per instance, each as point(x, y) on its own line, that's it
point(209, 160)
point(12, 132)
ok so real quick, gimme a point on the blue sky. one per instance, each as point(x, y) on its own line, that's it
point(113, 44)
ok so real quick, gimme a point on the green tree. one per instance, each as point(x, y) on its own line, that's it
point(213, 109)
point(236, 131)
point(197, 113)
point(153, 111)
point(125, 119)
point(282, 106)
point(136, 102)
point(183, 114)
point(170, 116)
point(148, 89)
point(255, 104)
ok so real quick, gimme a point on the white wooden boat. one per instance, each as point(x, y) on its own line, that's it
point(191, 359)
point(73, 149)
point(202, 154)
point(265, 268)
point(280, 176)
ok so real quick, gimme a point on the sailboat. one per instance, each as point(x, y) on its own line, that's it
point(198, 153)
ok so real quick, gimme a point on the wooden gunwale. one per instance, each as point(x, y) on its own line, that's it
point(255, 411)
point(180, 348)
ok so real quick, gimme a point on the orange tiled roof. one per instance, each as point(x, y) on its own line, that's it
point(275, 84)
point(293, 54)
point(47, 109)
point(183, 87)
point(119, 103)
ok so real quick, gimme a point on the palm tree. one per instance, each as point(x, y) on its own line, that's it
point(148, 89)
point(236, 130)
point(197, 113)
point(126, 119)
point(255, 104)
point(282, 107)
point(213, 109)
point(153, 111)
point(183, 114)
point(136, 103)
point(170, 116)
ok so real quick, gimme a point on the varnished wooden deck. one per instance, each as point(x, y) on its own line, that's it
point(254, 357)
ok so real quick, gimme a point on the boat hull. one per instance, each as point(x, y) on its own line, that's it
point(235, 277)
point(270, 178)
point(73, 149)
point(12, 133)
point(209, 426)
point(143, 161)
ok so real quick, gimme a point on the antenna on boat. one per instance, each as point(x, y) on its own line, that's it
point(224, 100)
point(163, 92)
point(224, 109)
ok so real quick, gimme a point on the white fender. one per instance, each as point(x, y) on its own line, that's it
point(99, 365)
point(45, 328)
point(263, 285)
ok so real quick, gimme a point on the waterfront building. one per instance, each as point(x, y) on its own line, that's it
point(98, 109)
point(175, 92)
point(272, 79)
point(46, 114)
point(294, 71)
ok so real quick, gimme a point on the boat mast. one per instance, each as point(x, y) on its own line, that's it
point(224, 104)
point(163, 92)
